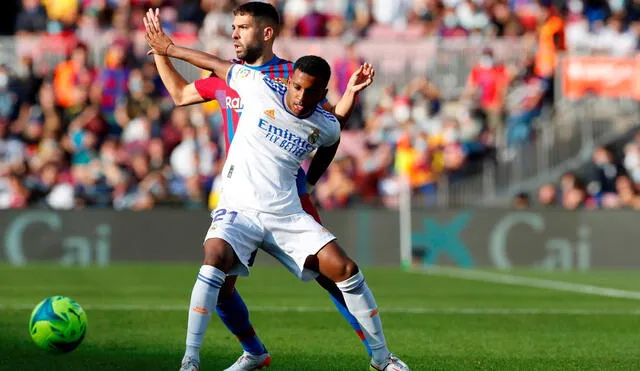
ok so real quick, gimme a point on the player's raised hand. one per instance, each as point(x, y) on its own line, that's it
point(154, 34)
point(361, 78)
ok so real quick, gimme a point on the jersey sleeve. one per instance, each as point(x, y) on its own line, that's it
point(244, 80)
point(334, 132)
point(207, 87)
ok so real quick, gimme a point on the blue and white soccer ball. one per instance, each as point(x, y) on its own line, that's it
point(58, 324)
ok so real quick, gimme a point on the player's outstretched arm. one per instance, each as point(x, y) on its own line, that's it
point(360, 80)
point(182, 92)
point(162, 45)
point(320, 163)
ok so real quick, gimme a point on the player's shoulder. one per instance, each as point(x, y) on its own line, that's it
point(275, 86)
point(280, 70)
point(328, 116)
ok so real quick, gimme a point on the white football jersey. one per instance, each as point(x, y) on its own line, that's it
point(269, 146)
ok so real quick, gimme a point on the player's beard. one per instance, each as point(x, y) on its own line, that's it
point(251, 54)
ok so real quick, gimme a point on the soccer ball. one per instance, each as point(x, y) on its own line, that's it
point(58, 324)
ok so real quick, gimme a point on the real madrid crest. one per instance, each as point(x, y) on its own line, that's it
point(314, 136)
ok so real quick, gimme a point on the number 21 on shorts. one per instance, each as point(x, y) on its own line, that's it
point(220, 214)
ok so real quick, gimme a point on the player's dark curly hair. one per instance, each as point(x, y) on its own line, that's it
point(314, 66)
point(261, 11)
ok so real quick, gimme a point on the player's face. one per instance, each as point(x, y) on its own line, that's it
point(248, 38)
point(304, 93)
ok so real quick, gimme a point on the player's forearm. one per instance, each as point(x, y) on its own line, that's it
point(203, 60)
point(320, 163)
point(345, 106)
point(171, 78)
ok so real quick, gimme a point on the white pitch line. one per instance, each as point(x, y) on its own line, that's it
point(508, 279)
point(284, 309)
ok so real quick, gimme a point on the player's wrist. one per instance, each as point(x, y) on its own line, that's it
point(166, 50)
point(351, 90)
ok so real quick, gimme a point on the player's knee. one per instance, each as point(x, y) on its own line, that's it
point(348, 269)
point(218, 253)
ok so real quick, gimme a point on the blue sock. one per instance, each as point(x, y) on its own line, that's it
point(338, 300)
point(234, 314)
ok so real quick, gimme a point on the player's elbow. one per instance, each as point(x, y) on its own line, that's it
point(185, 96)
point(179, 101)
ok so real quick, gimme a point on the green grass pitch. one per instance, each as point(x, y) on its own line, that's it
point(137, 321)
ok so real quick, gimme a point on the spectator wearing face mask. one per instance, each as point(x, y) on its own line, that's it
point(486, 87)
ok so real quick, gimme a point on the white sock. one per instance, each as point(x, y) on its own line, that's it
point(362, 305)
point(203, 302)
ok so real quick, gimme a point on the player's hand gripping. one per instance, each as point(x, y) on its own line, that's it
point(155, 36)
point(361, 78)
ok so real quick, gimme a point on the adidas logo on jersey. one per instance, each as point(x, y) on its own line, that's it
point(270, 113)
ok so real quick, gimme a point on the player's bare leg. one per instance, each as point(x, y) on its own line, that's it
point(324, 282)
point(333, 263)
point(219, 258)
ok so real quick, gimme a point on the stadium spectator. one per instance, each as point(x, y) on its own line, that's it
point(32, 19)
point(486, 88)
point(523, 104)
point(342, 69)
point(521, 201)
point(91, 125)
point(547, 196)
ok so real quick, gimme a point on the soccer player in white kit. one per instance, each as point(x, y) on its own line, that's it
point(259, 205)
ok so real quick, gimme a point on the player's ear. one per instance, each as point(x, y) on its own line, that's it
point(269, 33)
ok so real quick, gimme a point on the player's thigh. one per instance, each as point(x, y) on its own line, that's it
point(293, 238)
point(242, 230)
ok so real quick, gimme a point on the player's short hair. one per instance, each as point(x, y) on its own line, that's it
point(261, 11)
point(314, 66)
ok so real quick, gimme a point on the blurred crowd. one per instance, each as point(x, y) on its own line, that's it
point(96, 128)
point(610, 181)
point(591, 22)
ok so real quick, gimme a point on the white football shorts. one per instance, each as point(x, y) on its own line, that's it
point(289, 238)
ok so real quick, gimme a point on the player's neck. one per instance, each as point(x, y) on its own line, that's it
point(263, 59)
